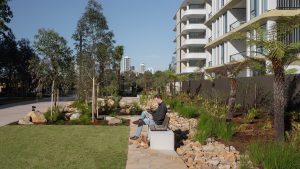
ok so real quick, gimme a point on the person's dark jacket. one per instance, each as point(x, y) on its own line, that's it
point(160, 113)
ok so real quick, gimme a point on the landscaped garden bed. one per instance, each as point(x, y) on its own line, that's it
point(110, 112)
point(247, 141)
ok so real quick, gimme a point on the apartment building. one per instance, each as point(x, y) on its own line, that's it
point(142, 68)
point(126, 64)
point(224, 17)
point(190, 36)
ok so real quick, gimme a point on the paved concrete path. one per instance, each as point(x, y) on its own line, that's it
point(13, 112)
point(140, 158)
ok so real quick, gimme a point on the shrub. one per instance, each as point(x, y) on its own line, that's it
point(84, 119)
point(214, 108)
point(293, 136)
point(271, 155)
point(136, 109)
point(188, 111)
point(174, 103)
point(56, 115)
point(82, 107)
point(210, 126)
point(252, 114)
point(143, 99)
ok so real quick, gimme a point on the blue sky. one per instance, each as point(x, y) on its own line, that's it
point(144, 27)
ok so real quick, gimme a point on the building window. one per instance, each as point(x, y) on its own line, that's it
point(225, 23)
point(222, 54)
point(196, 20)
point(196, 49)
point(253, 8)
point(264, 5)
point(196, 35)
point(222, 3)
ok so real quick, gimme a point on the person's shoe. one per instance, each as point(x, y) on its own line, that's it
point(134, 138)
point(136, 122)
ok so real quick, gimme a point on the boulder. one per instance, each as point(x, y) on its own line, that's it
point(110, 102)
point(213, 162)
point(25, 121)
point(36, 117)
point(122, 104)
point(113, 120)
point(75, 116)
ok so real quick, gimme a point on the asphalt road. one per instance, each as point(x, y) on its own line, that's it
point(13, 112)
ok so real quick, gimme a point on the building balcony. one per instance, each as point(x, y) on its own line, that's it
point(190, 69)
point(237, 23)
point(210, 64)
point(238, 57)
point(193, 42)
point(209, 39)
point(269, 15)
point(229, 5)
point(193, 13)
point(192, 27)
point(193, 56)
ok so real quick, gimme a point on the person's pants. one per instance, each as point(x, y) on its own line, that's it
point(147, 118)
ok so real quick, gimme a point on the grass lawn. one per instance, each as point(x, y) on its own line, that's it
point(63, 147)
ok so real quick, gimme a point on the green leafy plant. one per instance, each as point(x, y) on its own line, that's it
point(188, 111)
point(56, 115)
point(271, 155)
point(82, 107)
point(136, 109)
point(252, 114)
point(210, 126)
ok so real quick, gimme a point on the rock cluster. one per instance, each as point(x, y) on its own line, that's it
point(213, 155)
point(150, 105)
point(113, 120)
point(109, 102)
point(33, 117)
point(179, 123)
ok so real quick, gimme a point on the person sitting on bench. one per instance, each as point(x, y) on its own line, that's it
point(151, 119)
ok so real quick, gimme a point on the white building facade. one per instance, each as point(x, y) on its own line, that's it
point(224, 17)
point(126, 64)
point(190, 36)
point(142, 68)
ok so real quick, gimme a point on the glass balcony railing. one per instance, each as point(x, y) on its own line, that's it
point(209, 39)
point(210, 15)
point(237, 57)
point(237, 23)
point(210, 64)
point(253, 14)
point(288, 4)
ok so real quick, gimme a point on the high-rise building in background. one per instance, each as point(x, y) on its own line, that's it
point(190, 36)
point(150, 69)
point(126, 64)
point(132, 68)
point(142, 68)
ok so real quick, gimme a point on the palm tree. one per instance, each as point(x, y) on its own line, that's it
point(279, 52)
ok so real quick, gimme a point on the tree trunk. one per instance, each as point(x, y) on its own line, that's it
point(232, 98)
point(118, 79)
point(93, 100)
point(279, 102)
point(52, 99)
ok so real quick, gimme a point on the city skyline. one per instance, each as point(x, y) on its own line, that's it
point(133, 28)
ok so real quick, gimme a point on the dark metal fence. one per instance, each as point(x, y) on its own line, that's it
point(252, 91)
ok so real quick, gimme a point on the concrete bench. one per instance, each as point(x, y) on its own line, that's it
point(160, 137)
